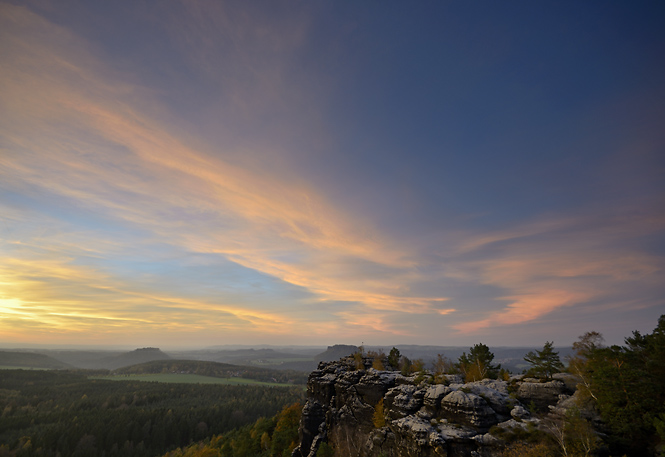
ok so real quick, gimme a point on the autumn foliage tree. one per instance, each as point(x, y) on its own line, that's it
point(285, 436)
point(378, 419)
point(477, 364)
point(378, 359)
point(442, 365)
point(268, 437)
point(578, 364)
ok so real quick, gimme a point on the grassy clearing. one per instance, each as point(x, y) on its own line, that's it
point(177, 378)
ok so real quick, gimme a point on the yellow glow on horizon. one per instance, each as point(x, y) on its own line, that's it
point(265, 216)
point(133, 183)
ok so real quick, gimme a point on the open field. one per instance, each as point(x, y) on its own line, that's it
point(177, 378)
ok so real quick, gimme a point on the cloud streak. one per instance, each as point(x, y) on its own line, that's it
point(96, 150)
point(563, 262)
point(106, 198)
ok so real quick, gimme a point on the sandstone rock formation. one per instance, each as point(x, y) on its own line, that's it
point(419, 418)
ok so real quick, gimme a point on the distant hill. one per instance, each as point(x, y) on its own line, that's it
point(243, 356)
point(294, 359)
point(288, 358)
point(246, 356)
point(108, 360)
point(134, 357)
point(79, 358)
point(30, 360)
point(336, 352)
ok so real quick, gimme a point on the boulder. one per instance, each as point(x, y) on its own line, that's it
point(433, 396)
point(519, 413)
point(542, 394)
point(468, 409)
point(402, 401)
point(495, 393)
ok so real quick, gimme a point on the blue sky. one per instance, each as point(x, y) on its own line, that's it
point(197, 173)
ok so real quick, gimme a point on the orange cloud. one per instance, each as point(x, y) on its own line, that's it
point(72, 131)
point(559, 263)
point(78, 131)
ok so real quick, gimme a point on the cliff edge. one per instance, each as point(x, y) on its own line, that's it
point(372, 413)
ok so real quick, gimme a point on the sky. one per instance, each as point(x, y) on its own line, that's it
point(196, 173)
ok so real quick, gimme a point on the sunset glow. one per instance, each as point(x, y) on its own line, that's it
point(200, 173)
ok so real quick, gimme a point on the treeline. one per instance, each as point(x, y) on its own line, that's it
point(217, 370)
point(267, 437)
point(473, 367)
point(626, 385)
point(623, 386)
point(53, 413)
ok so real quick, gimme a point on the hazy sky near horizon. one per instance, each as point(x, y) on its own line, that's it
point(192, 173)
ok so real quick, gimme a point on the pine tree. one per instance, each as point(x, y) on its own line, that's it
point(544, 363)
point(393, 357)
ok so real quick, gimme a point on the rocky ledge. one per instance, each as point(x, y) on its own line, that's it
point(372, 413)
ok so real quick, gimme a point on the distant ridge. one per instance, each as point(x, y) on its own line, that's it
point(336, 352)
point(30, 360)
point(134, 357)
point(214, 369)
point(279, 358)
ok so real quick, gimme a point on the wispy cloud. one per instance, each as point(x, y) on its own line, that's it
point(107, 196)
point(563, 262)
point(80, 137)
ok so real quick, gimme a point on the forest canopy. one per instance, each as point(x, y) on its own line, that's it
point(49, 413)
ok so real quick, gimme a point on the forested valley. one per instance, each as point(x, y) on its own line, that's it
point(267, 437)
point(59, 413)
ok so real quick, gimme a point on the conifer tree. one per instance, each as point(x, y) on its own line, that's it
point(544, 363)
point(394, 357)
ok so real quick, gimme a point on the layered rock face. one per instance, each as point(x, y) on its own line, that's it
point(370, 413)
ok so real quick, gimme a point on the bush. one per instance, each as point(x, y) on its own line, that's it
point(358, 361)
point(518, 435)
point(325, 451)
point(522, 449)
point(377, 360)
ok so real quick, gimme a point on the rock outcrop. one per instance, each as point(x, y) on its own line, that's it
point(371, 413)
point(541, 395)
